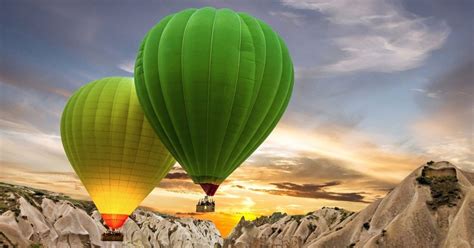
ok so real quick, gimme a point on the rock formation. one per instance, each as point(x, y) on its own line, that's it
point(36, 217)
point(432, 207)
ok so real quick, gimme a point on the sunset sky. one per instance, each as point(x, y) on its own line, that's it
point(381, 87)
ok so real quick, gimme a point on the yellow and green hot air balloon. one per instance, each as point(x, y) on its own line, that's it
point(112, 147)
point(213, 84)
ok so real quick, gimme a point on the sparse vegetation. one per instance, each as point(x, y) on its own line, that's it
point(332, 219)
point(443, 186)
point(444, 191)
point(366, 225)
point(112, 236)
point(268, 219)
point(298, 217)
point(423, 180)
point(312, 217)
point(35, 198)
point(3, 207)
point(312, 227)
point(345, 214)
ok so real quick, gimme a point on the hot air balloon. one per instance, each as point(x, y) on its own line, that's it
point(213, 83)
point(112, 148)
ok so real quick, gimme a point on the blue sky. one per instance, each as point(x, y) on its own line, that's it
point(381, 86)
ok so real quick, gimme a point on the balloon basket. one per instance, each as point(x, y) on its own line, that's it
point(206, 205)
point(112, 236)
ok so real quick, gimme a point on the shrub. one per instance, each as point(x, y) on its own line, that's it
point(366, 225)
point(423, 180)
point(444, 191)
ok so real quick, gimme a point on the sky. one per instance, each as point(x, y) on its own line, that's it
point(381, 87)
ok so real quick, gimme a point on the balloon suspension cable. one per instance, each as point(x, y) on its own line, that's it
point(206, 204)
point(112, 235)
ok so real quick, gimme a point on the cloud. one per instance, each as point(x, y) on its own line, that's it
point(452, 108)
point(313, 158)
point(314, 191)
point(445, 129)
point(26, 145)
point(427, 93)
point(55, 181)
point(457, 150)
point(177, 175)
point(28, 76)
point(180, 186)
point(292, 17)
point(30, 129)
point(309, 153)
point(178, 181)
point(311, 173)
point(375, 36)
point(128, 66)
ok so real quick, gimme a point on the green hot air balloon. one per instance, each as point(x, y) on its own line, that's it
point(112, 147)
point(213, 83)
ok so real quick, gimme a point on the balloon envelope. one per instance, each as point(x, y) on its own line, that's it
point(213, 83)
point(112, 147)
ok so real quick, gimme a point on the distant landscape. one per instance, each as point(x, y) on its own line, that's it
point(432, 207)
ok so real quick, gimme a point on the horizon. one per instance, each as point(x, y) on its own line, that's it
point(379, 90)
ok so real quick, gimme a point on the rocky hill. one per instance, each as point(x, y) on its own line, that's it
point(31, 217)
point(432, 207)
point(281, 230)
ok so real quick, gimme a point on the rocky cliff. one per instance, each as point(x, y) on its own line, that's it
point(432, 207)
point(32, 217)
